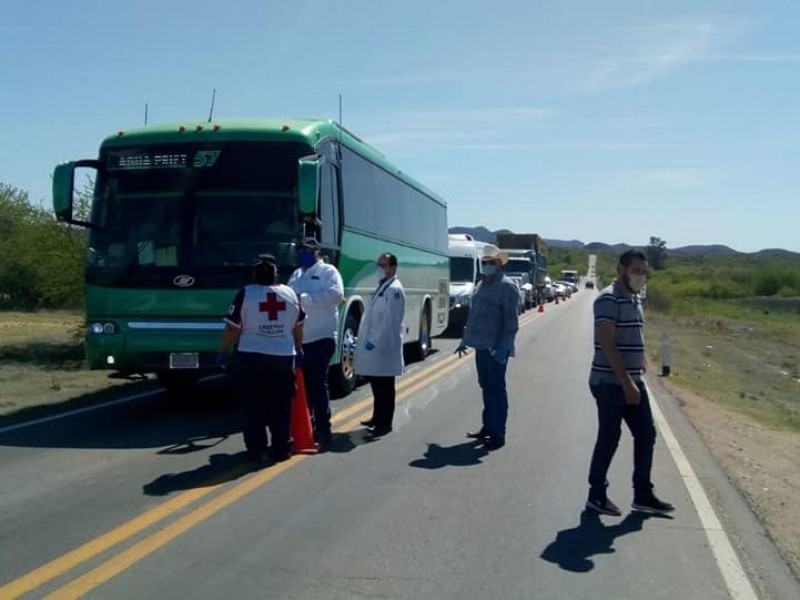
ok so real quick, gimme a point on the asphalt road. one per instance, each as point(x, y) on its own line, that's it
point(146, 500)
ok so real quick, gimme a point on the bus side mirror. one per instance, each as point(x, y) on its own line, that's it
point(308, 185)
point(63, 185)
point(64, 189)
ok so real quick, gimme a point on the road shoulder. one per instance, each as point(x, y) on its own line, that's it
point(751, 514)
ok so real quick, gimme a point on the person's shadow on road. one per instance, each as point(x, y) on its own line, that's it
point(573, 549)
point(221, 468)
point(460, 455)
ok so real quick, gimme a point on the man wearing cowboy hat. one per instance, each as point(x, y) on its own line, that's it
point(491, 328)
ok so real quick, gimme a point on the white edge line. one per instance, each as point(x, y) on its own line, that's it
point(86, 409)
point(736, 580)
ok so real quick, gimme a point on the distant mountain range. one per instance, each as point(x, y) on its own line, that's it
point(485, 235)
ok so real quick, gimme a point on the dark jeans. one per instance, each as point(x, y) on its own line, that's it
point(384, 394)
point(318, 356)
point(611, 411)
point(492, 379)
point(266, 387)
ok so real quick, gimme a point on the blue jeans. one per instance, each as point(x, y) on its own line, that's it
point(318, 356)
point(492, 379)
point(611, 411)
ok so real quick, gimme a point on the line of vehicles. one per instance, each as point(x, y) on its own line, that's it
point(526, 266)
point(179, 212)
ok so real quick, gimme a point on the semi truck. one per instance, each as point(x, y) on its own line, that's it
point(534, 247)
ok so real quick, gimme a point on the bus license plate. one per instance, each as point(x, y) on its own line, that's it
point(184, 360)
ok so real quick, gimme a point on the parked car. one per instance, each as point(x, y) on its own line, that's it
point(561, 289)
point(521, 308)
point(567, 288)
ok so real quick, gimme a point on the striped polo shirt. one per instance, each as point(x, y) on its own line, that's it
point(615, 305)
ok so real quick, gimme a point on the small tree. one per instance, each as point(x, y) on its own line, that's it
point(656, 252)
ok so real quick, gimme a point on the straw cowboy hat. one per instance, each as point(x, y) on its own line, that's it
point(492, 252)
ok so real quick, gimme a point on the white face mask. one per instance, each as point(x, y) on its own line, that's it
point(380, 273)
point(636, 282)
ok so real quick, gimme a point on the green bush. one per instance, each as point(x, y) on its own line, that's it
point(41, 260)
point(770, 281)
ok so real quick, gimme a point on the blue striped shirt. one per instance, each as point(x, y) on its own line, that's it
point(615, 305)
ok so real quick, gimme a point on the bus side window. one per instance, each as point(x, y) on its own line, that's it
point(329, 206)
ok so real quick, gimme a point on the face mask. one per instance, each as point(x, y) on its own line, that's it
point(306, 258)
point(488, 269)
point(636, 282)
point(380, 273)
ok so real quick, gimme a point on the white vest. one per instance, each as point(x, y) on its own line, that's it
point(267, 317)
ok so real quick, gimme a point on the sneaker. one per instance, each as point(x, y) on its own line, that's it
point(652, 505)
point(604, 506)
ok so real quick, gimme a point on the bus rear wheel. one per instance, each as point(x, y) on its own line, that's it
point(342, 377)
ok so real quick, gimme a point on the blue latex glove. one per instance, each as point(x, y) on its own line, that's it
point(299, 358)
point(500, 354)
point(222, 359)
point(461, 350)
point(369, 346)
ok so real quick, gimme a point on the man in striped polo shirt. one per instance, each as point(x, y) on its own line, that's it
point(617, 386)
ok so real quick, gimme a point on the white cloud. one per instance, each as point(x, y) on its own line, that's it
point(669, 47)
point(458, 128)
point(673, 177)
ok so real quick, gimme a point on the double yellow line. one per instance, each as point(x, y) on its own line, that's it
point(342, 421)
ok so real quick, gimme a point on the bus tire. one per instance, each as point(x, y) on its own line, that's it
point(179, 387)
point(422, 346)
point(342, 377)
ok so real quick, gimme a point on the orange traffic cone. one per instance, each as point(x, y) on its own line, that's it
point(556, 300)
point(301, 421)
point(541, 308)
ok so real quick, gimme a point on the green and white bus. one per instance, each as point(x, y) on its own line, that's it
point(180, 211)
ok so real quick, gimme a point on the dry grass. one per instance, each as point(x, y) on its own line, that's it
point(750, 367)
point(42, 364)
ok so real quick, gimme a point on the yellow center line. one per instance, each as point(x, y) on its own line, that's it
point(129, 557)
point(70, 560)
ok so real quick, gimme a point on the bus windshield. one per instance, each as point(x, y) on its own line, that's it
point(462, 269)
point(152, 209)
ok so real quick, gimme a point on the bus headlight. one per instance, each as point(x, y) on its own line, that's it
point(107, 328)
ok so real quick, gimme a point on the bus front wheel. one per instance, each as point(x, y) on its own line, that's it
point(422, 346)
point(179, 386)
point(342, 377)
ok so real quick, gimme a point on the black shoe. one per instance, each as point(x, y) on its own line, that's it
point(651, 504)
point(379, 431)
point(368, 423)
point(604, 506)
point(256, 456)
point(279, 454)
point(495, 443)
point(324, 441)
point(480, 434)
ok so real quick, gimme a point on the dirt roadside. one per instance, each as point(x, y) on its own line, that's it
point(760, 460)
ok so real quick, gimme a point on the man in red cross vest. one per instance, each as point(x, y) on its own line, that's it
point(265, 323)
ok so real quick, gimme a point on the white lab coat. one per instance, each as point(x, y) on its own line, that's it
point(382, 325)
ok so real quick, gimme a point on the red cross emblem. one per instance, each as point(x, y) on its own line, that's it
point(272, 307)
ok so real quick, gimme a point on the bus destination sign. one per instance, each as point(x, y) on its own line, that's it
point(141, 160)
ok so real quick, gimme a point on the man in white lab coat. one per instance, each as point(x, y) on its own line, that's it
point(379, 351)
point(319, 286)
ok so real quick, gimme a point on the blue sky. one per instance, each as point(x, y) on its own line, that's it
point(599, 121)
